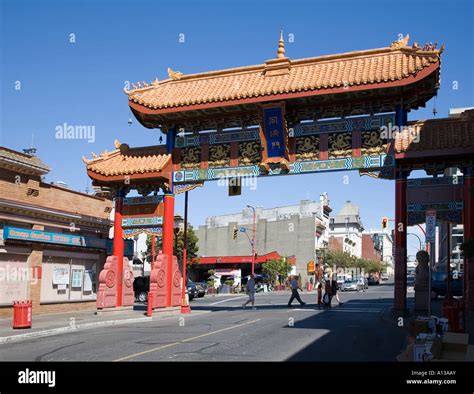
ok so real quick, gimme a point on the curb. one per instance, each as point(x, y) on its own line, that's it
point(72, 328)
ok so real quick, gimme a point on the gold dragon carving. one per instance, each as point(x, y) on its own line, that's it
point(340, 145)
point(219, 155)
point(249, 153)
point(190, 158)
point(373, 143)
point(307, 148)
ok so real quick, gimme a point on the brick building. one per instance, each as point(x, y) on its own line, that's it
point(53, 240)
point(370, 250)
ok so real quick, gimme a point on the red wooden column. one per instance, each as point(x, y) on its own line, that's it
point(400, 241)
point(468, 223)
point(168, 232)
point(119, 242)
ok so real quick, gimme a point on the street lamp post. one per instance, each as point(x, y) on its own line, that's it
point(253, 237)
point(419, 239)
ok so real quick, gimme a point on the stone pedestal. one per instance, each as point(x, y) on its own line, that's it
point(422, 290)
point(422, 300)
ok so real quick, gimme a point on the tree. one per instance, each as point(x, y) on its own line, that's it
point(191, 244)
point(339, 259)
point(370, 266)
point(276, 268)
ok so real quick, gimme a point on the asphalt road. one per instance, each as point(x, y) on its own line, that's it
point(220, 330)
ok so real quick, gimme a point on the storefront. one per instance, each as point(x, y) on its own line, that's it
point(57, 271)
point(69, 277)
point(14, 274)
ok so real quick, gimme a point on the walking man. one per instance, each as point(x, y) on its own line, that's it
point(250, 292)
point(334, 292)
point(294, 292)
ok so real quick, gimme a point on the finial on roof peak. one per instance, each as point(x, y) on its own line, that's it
point(281, 47)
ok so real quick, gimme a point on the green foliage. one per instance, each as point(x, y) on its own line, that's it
point(370, 266)
point(191, 244)
point(339, 259)
point(276, 268)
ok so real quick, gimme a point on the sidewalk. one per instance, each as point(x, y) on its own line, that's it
point(59, 323)
point(436, 310)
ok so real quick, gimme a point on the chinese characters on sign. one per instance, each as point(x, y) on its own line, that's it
point(275, 133)
point(140, 213)
point(430, 225)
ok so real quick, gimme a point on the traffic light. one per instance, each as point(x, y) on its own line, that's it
point(234, 233)
point(384, 223)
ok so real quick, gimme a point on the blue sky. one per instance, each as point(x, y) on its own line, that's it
point(81, 83)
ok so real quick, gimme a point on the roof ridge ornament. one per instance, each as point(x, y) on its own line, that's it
point(281, 47)
point(281, 65)
point(174, 75)
point(400, 43)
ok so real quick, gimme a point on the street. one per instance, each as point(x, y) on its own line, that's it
point(220, 330)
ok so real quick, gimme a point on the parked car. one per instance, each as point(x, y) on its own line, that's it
point(141, 285)
point(384, 277)
point(340, 281)
point(201, 290)
point(192, 290)
point(351, 285)
point(373, 280)
point(439, 284)
point(203, 285)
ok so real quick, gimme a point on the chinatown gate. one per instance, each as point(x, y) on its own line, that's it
point(287, 117)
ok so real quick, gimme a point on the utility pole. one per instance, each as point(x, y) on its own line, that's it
point(254, 228)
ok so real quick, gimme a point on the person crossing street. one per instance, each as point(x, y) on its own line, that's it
point(250, 292)
point(294, 291)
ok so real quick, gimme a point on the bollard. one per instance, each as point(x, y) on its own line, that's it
point(149, 311)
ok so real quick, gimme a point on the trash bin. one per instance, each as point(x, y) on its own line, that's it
point(22, 314)
point(454, 312)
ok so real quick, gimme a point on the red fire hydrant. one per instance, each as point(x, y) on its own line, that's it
point(22, 314)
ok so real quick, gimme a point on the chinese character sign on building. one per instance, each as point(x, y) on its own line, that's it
point(430, 225)
point(275, 132)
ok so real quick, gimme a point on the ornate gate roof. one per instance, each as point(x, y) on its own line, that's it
point(395, 66)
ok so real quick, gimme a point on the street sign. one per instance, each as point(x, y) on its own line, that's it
point(430, 225)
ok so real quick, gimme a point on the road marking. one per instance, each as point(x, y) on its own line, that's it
point(229, 299)
point(358, 310)
point(184, 341)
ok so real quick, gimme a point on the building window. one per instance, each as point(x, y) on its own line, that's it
point(68, 279)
